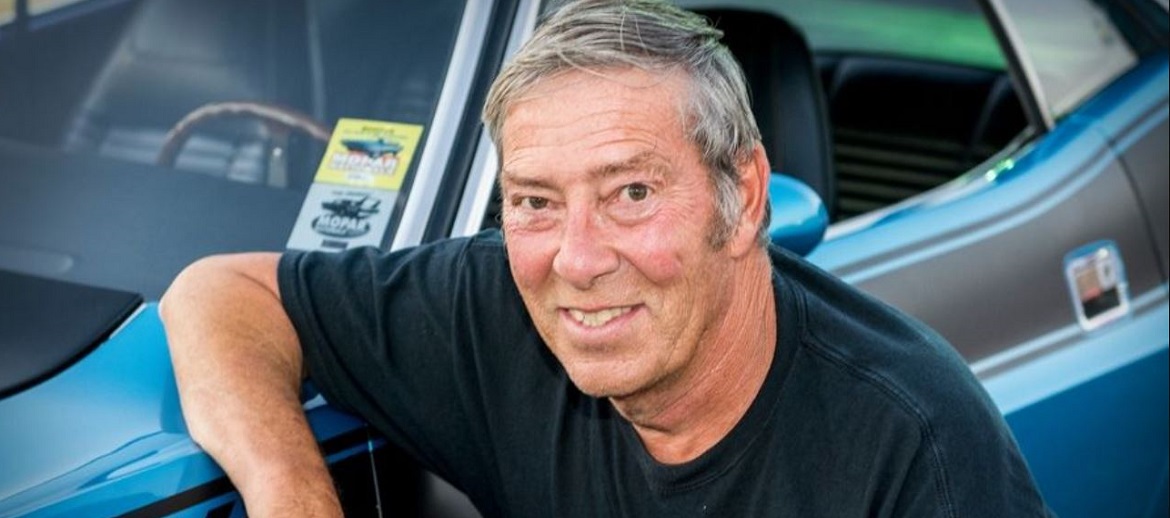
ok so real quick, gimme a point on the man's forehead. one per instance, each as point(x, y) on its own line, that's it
point(644, 162)
point(605, 78)
point(570, 88)
point(604, 123)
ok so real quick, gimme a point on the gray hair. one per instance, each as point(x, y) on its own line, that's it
point(591, 35)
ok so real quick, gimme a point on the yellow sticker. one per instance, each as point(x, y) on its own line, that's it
point(7, 11)
point(366, 153)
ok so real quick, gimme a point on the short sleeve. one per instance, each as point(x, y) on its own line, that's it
point(379, 339)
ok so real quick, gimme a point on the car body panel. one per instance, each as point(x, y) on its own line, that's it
point(1098, 448)
point(133, 449)
point(962, 236)
point(999, 247)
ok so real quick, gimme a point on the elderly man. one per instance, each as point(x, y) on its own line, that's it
point(630, 347)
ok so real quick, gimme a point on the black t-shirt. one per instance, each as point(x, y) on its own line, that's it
point(864, 412)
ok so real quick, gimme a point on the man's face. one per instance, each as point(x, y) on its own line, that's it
point(607, 213)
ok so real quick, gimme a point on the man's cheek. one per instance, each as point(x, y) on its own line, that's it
point(530, 265)
point(658, 265)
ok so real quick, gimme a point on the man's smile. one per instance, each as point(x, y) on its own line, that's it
point(597, 318)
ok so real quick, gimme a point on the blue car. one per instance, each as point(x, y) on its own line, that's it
point(997, 168)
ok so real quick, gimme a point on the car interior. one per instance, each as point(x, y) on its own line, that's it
point(136, 68)
point(894, 127)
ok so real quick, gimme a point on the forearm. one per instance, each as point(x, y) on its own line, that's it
point(239, 368)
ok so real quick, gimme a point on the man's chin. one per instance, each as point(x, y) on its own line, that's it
point(603, 384)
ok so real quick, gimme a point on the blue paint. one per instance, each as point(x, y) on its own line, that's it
point(1040, 173)
point(107, 435)
point(799, 217)
point(1059, 194)
point(1131, 95)
point(1091, 415)
point(1095, 354)
point(1100, 448)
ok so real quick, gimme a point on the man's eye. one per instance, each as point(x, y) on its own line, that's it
point(637, 191)
point(534, 202)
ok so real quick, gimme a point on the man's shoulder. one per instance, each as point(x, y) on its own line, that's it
point(874, 344)
point(877, 375)
point(476, 263)
point(485, 253)
point(490, 240)
point(485, 245)
point(840, 317)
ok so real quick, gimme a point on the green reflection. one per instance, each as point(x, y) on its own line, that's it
point(924, 32)
point(1001, 167)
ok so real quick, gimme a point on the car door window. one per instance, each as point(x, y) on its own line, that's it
point(92, 93)
point(916, 92)
point(1074, 54)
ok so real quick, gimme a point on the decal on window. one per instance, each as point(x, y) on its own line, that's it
point(336, 217)
point(1096, 280)
point(365, 153)
point(357, 183)
point(7, 11)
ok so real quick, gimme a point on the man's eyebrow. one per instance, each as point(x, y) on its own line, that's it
point(644, 161)
point(508, 177)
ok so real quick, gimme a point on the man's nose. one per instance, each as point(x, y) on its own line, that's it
point(586, 252)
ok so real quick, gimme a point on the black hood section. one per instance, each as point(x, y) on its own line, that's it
point(104, 222)
point(47, 325)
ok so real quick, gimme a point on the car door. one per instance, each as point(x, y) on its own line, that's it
point(992, 261)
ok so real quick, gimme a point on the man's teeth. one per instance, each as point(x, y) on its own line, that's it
point(597, 318)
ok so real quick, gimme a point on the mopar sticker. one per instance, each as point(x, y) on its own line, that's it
point(357, 183)
point(336, 218)
point(1096, 280)
point(346, 215)
point(7, 11)
point(366, 153)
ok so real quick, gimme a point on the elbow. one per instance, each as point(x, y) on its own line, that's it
point(201, 282)
point(185, 288)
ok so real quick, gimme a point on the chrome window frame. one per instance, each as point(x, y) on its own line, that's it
point(469, 44)
point(1020, 66)
point(485, 166)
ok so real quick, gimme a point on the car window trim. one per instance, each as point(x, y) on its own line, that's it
point(481, 181)
point(469, 44)
point(1019, 65)
point(463, 162)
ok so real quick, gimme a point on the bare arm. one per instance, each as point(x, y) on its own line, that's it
point(239, 368)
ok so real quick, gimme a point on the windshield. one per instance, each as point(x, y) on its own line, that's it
point(136, 136)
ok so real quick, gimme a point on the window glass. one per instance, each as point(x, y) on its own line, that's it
point(916, 92)
point(1075, 51)
point(952, 31)
point(92, 92)
point(112, 79)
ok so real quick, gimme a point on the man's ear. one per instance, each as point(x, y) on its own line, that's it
point(754, 176)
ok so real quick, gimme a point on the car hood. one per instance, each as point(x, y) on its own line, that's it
point(107, 432)
point(74, 430)
point(46, 325)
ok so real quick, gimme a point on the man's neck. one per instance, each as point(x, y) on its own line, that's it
point(690, 415)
